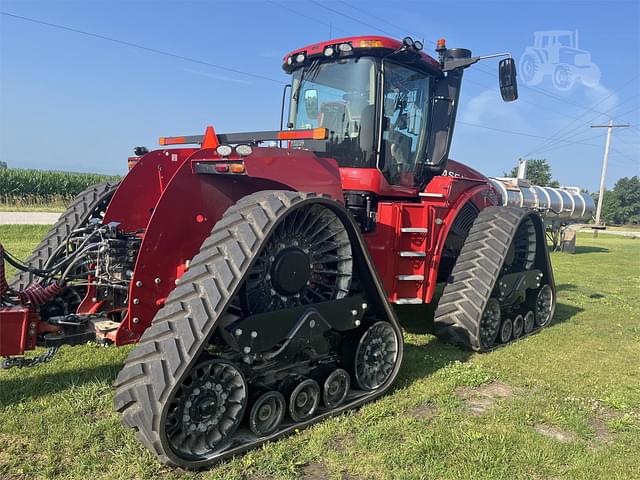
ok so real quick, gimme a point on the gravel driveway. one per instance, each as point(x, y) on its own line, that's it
point(28, 218)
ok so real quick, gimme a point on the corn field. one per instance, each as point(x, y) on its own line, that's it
point(22, 187)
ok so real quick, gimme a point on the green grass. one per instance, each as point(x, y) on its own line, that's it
point(580, 376)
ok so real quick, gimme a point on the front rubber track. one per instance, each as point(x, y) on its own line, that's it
point(477, 269)
point(172, 344)
point(82, 208)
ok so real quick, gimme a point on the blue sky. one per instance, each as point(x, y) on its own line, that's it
point(73, 102)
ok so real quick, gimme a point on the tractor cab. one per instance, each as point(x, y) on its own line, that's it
point(387, 106)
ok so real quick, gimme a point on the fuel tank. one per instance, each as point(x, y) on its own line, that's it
point(564, 203)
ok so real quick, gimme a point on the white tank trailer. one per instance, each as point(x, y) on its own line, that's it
point(564, 203)
point(558, 206)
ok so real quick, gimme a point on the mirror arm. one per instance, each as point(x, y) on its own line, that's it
point(450, 65)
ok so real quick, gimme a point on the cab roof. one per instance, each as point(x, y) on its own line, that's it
point(373, 45)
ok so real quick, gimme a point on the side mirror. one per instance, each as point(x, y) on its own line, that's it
point(508, 83)
point(311, 103)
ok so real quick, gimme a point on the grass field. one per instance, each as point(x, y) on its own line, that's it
point(561, 404)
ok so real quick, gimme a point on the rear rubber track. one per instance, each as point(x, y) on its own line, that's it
point(81, 209)
point(474, 276)
point(170, 347)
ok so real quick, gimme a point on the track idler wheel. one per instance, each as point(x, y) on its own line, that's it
point(518, 326)
point(375, 356)
point(506, 330)
point(490, 323)
point(544, 306)
point(304, 400)
point(267, 413)
point(336, 388)
point(207, 409)
point(529, 322)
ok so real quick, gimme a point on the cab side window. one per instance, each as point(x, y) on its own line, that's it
point(405, 116)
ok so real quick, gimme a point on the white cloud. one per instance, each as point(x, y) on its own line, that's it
point(488, 108)
point(601, 98)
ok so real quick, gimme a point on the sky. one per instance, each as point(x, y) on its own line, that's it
point(78, 102)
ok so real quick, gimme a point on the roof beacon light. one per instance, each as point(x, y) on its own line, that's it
point(244, 150)
point(345, 47)
point(441, 44)
point(329, 51)
point(223, 150)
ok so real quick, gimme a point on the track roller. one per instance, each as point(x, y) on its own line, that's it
point(336, 388)
point(267, 413)
point(518, 326)
point(529, 322)
point(304, 400)
point(506, 330)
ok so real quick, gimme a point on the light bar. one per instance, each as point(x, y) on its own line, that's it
point(315, 134)
point(370, 43)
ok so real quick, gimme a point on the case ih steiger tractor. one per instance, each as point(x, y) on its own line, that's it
point(258, 281)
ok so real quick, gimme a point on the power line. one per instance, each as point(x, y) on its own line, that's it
point(564, 131)
point(141, 47)
point(308, 17)
point(351, 18)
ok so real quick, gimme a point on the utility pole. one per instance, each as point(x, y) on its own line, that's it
point(609, 128)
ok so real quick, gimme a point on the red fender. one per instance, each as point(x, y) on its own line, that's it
point(177, 216)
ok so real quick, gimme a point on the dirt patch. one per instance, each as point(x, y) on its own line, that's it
point(425, 411)
point(478, 400)
point(602, 431)
point(342, 443)
point(314, 471)
point(555, 433)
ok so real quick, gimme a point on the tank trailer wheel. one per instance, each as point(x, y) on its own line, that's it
point(336, 388)
point(304, 400)
point(529, 321)
point(375, 356)
point(506, 330)
point(544, 306)
point(267, 413)
point(207, 409)
point(490, 323)
point(518, 326)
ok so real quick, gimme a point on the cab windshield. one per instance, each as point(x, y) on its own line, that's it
point(389, 134)
point(339, 96)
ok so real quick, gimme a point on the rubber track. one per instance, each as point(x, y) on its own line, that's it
point(76, 215)
point(469, 287)
point(170, 346)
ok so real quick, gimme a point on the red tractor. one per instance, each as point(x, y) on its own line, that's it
point(258, 281)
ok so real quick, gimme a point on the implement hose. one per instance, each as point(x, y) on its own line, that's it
point(35, 294)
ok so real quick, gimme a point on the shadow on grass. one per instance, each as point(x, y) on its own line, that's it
point(423, 360)
point(583, 249)
point(27, 387)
